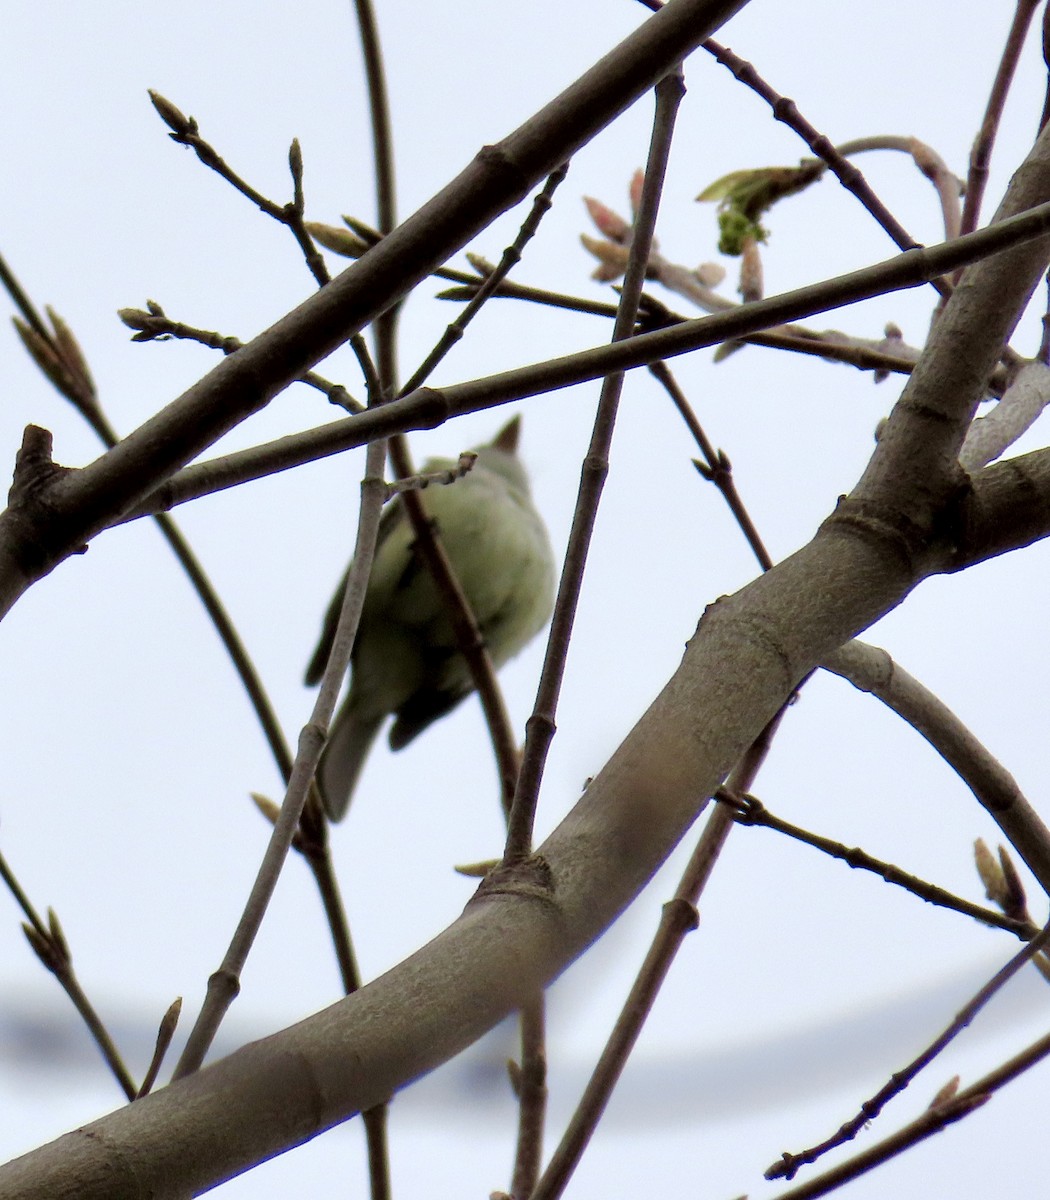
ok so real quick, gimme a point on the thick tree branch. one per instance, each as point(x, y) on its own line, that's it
point(917, 457)
point(749, 653)
point(427, 408)
point(1008, 508)
point(500, 176)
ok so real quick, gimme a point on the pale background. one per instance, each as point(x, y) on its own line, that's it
point(128, 749)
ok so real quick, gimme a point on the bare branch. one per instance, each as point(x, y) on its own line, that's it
point(430, 407)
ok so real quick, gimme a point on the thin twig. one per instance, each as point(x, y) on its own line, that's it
point(532, 1094)
point(932, 1121)
point(786, 110)
point(981, 153)
point(749, 810)
point(81, 393)
point(936, 1118)
point(491, 282)
point(531, 1088)
point(385, 333)
point(313, 843)
point(224, 983)
point(429, 407)
point(311, 836)
point(49, 945)
point(427, 541)
point(186, 132)
point(385, 326)
point(540, 726)
point(786, 1167)
point(884, 356)
point(153, 324)
point(79, 390)
point(679, 918)
point(716, 468)
point(471, 643)
point(872, 670)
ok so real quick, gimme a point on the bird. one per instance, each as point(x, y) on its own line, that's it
point(405, 660)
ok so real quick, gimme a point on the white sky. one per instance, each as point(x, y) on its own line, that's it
point(129, 750)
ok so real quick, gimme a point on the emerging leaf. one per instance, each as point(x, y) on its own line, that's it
point(744, 196)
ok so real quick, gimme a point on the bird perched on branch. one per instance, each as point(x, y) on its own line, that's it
point(405, 660)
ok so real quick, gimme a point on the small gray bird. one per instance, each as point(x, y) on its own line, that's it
point(405, 659)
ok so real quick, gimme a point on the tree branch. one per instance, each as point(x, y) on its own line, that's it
point(429, 407)
point(499, 177)
point(749, 653)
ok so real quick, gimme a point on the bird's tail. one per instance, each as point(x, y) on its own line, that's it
point(349, 741)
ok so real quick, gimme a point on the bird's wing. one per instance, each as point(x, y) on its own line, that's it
point(423, 708)
point(392, 517)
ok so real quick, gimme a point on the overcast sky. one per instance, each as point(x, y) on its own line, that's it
point(129, 750)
